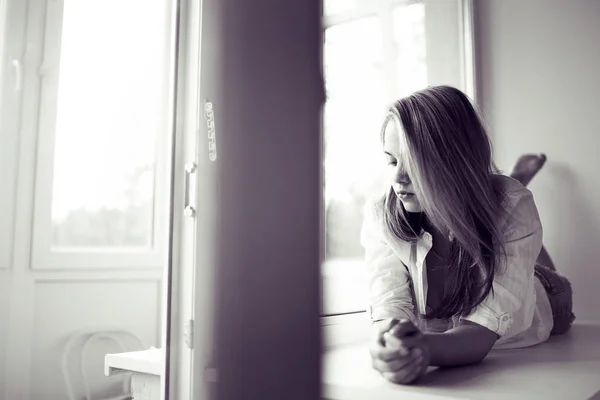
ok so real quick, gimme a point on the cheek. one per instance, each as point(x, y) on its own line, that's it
point(391, 173)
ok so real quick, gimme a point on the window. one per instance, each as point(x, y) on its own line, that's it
point(372, 55)
point(375, 52)
point(102, 183)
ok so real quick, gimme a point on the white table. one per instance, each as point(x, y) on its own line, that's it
point(146, 368)
point(565, 367)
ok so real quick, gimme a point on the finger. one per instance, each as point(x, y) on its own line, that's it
point(380, 352)
point(403, 327)
point(384, 325)
point(414, 374)
point(407, 342)
point(379, 328)
point(423, 365)
point(422, 369)
point(407, 374)
point(396, 346)
point(395, 364)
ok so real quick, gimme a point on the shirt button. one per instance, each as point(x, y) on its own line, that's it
point(505, 318)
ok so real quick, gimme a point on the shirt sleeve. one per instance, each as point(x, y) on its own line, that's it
point(513, 283)
point(390, 294)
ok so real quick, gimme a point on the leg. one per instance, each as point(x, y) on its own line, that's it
point(558, 287)
point(545, 260)
point(527, 166)
point(560, 295)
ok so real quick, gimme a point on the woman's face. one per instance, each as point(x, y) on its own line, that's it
point(396, 152)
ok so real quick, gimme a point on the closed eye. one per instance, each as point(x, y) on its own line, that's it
point(391, 159)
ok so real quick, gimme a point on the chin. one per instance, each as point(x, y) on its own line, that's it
point(412, 207)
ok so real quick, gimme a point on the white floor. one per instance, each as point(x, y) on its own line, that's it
point(565, 367)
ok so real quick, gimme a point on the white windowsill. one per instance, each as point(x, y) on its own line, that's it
point(342, 330)
point(571, 360)
point(344, 302)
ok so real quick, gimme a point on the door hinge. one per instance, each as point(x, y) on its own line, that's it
point(188, 333)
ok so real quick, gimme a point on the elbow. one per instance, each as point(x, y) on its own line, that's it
point(479, 351)
point(482, 344)
point(461, 346)
point(478, 356)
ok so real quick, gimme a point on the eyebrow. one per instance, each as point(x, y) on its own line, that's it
point(389, 154)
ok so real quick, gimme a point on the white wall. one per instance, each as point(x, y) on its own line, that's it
point(539, 82)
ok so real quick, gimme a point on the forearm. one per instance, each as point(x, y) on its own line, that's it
point(462, 345)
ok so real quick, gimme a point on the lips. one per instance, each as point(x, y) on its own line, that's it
point(405, 196)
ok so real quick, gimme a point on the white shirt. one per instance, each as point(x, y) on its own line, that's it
point(519, 310)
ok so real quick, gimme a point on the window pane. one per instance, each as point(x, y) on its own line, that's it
point(352, 115)
point(409, 40)
point(110, 112)
point(357, 97)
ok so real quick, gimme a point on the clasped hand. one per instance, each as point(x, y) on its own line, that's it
point(399, 351)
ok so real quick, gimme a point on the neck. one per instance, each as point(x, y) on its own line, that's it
point(415, 220)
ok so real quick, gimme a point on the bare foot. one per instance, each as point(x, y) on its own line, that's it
point(527, 166)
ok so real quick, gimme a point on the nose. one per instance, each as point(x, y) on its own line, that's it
point(401, 177)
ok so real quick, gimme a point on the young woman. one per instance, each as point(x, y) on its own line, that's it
point(454, 248)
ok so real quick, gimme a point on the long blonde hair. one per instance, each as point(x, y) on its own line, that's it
point(450, 160)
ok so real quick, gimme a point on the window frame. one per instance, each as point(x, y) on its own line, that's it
point(13, 26)
point(186, 335)
point(352, 325)
point(47, 42)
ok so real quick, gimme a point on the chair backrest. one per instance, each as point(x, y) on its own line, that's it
point(79, 346)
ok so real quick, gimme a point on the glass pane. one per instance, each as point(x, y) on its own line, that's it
point(352, 118)
point(409, 40)
point(357, 97)
point(110, 112)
